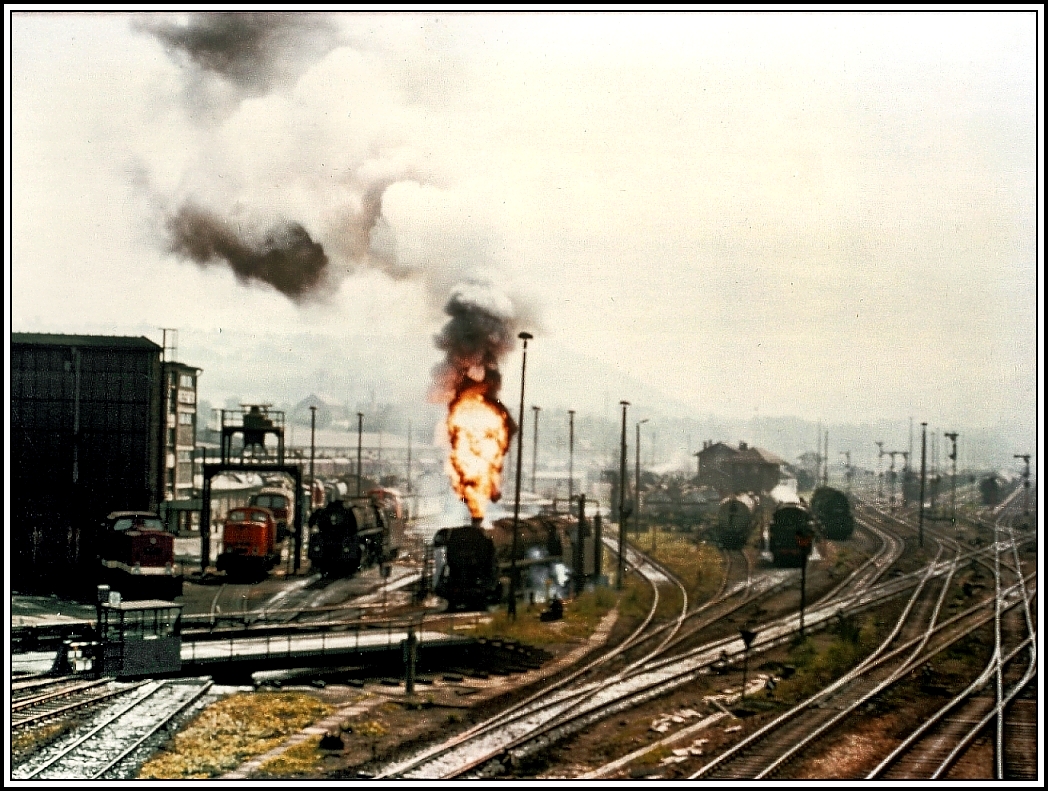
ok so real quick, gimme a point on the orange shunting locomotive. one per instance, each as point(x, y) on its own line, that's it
point(249, 542)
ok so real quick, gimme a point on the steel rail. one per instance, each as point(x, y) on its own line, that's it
point(70, 748)
point(193, 699)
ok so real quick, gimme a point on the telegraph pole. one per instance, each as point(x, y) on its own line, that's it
point(880, 474)
point(905, 475)
point(623, 513)
point(360, 441)
point(826, 457)
point(847, 468)
point(535, 449)
point(636, 490)
point(1026, 482)
point(571, 457)
point(920, 512)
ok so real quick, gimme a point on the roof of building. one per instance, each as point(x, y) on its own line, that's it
point(742, 452)
point(100, 341)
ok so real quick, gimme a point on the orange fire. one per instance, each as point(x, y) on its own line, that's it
point(479, 429)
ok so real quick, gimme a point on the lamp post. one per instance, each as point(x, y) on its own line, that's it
point(360, 440)
point(623, 513)
point(512, 607)
point(636, 488)
point(535, 449)
point(571, 457)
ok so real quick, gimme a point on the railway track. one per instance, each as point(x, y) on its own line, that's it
point(482, 745)
point(110, 743)
point(62, 699)
point(767, 752)
point(990, 707)
point(570, 710)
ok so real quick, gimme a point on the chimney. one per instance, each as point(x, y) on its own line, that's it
point(742, 445)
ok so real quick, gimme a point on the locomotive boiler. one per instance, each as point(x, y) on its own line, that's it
point(791, 534)
point(832, 511)
point(466, 567)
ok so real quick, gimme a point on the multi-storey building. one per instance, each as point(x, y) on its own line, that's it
point(180, 414)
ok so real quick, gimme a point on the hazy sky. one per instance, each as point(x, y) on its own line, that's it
point(824, 215)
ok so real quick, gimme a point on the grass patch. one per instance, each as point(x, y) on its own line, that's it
point(581, 616)
point(825, 656)
point(298, 760)
point(231, 731)
point(699, 567)
point(26, 743)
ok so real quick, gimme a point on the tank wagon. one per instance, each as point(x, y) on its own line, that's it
point(736, 518)
point(354, 533)
point(466, 567)
point(832, 511)
point(791, 534)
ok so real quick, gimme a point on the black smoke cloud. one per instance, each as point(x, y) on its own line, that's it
point(478, 334)
point(250, 50)
point(285, 257)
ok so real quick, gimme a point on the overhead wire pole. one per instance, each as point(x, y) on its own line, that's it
point(880, 473)
point(623, 513)
point(512, 606)
point(952, 436)
point(920, 510)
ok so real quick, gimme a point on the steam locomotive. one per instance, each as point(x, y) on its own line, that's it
point(354, 533)
point(466, 567)
point(791, 534)
point(831, 509)
point(736, 518)
point(137, 556)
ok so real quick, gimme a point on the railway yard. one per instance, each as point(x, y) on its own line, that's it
point(916, 662)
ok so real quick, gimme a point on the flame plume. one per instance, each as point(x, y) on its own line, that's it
point(479, 429)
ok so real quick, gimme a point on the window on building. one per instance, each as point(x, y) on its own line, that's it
point(185, 418)
point(186, 380)
point(172, 400)
point(185, 455)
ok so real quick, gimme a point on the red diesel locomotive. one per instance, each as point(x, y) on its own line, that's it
point(138, 556)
